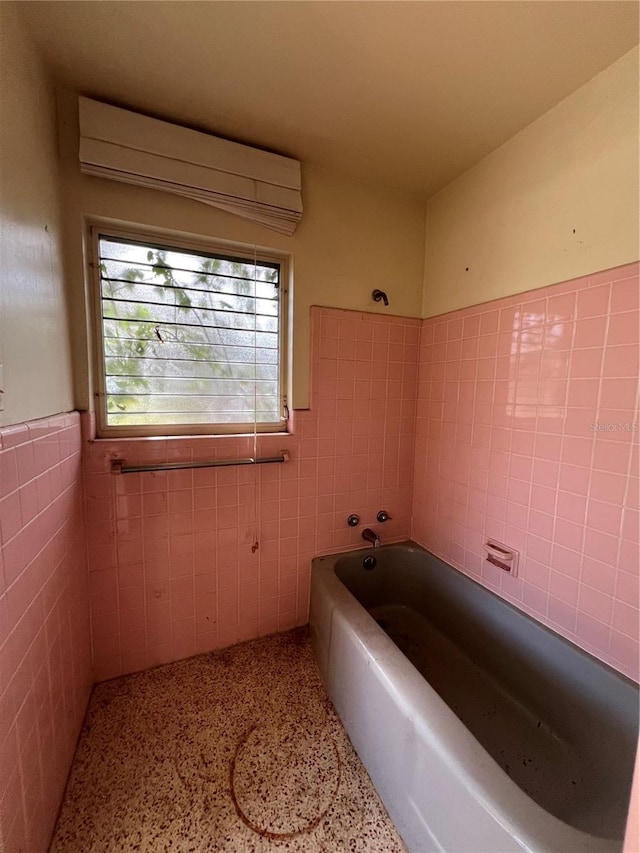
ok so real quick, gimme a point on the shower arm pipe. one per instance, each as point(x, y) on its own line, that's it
point(118, 466)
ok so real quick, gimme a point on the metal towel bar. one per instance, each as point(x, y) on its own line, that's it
point(118, 465)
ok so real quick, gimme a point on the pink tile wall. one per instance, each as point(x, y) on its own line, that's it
point(172, 571)
point(45, 674)
point(496, 405)
point(527, 432)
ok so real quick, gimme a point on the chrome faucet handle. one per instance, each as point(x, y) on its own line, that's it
point(383, 515)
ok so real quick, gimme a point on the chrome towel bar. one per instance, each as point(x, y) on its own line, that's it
point(118, 465)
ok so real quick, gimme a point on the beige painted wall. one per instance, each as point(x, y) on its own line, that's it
point(34, 331)
point(558, 200)
point(352, 238)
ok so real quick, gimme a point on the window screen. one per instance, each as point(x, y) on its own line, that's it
point(190, 339)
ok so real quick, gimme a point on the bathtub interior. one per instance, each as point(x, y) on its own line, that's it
point(561, 724)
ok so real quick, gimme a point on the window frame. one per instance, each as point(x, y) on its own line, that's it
point(162, 239)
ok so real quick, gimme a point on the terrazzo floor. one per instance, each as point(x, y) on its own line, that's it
point(238, 750)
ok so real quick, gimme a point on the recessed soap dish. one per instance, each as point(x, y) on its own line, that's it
point(501, 556)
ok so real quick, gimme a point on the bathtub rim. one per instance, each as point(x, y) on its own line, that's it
point(411, 546)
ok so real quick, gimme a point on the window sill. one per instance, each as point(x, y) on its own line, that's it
point(183, 438)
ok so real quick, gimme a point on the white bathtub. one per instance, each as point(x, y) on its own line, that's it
point(442, 788)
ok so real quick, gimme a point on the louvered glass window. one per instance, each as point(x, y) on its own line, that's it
point(190, 339)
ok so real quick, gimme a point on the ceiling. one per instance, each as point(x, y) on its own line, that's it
point(402, 94)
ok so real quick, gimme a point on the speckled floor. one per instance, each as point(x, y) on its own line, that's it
point(238, 750)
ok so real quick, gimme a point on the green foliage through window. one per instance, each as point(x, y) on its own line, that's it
point(189, 338)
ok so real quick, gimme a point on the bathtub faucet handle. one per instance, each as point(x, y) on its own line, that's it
point(383, 515)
